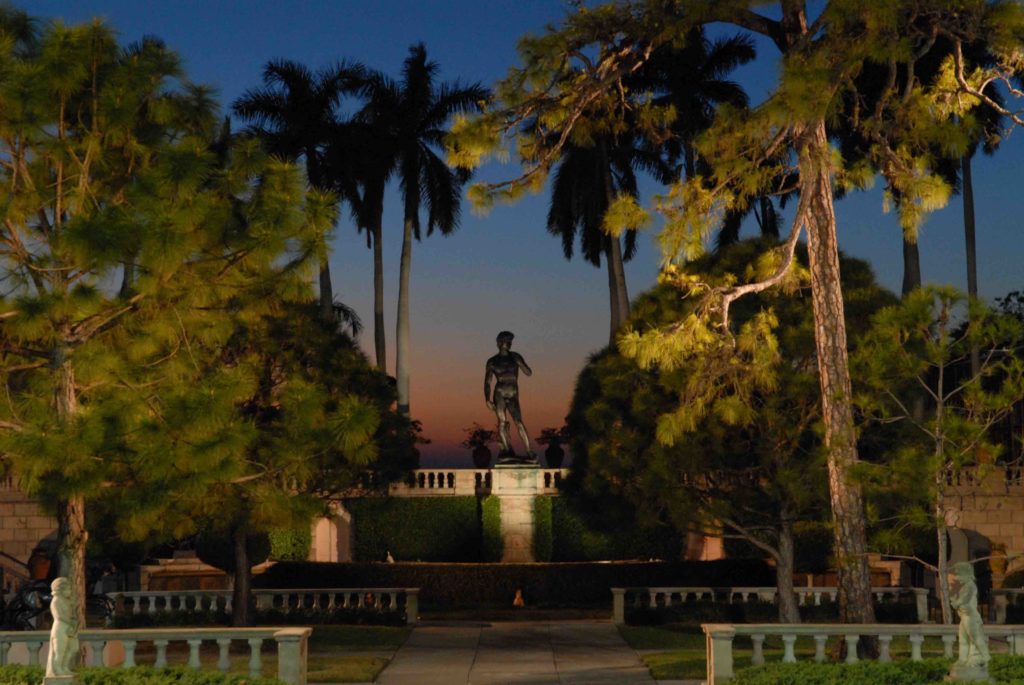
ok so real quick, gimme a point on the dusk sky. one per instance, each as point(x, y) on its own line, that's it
point(503, 271)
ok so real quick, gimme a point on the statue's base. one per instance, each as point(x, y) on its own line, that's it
point(512, 459)
point(60, 680)
point(967, 673)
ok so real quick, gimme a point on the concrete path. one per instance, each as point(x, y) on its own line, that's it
point(519, 653)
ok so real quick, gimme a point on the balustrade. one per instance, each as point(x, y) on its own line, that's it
point(654, 597)
point(386, 599)
point(720, 639)
point(119, 647)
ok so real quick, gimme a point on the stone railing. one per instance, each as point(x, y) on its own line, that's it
point(1001, 599)
point(721, 636)
point(462, 482)
point(653, 597)
point(384, 599)
point(117, 647)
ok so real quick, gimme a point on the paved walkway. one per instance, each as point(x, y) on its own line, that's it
point(519, 653)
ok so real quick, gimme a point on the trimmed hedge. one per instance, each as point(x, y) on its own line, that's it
point(573, 538)
point(426, 528)
point(290, 545)
point(542, 542)
point(140, 675)
point(458, 586)
point(1002, 669)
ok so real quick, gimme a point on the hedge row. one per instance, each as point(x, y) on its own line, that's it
point(573, 538)
point(426, 528)
point(1002, 669)
point(141, 675)
point(706, 611)
point(457, 586)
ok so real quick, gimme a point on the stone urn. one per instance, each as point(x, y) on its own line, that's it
point(554, 455)
point(481, 456)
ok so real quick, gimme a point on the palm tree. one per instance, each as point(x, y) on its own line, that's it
point(294, 113)
point(586, 182)
point(413, 115)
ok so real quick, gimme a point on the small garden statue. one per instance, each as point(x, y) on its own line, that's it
point(972, 663)
point(63, 634)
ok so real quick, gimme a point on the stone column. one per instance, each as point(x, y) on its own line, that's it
point(517, 486)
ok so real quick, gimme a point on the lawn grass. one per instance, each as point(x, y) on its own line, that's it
point(364, 638)
point(677, 651)
point(350, 668)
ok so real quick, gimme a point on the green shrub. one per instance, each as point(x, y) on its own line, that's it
point(141, 675)
point(290, 545)
point(470, 586)
point(863, 673)
point(492, 546)
point(574, 538)
point(171, 619)
point(424, 528)
point(542, 542)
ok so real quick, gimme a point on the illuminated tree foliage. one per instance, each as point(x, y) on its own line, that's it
point(752, 466)
point(581, 68)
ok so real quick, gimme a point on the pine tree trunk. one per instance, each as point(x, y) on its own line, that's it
point(242, 591)
point(402, 332)
point(789, 611)
point(71, 532)
point(379, 344)
point(942, 565)
point(855, 599)
point(967, 181)
point(911, 266)
point(128, 279)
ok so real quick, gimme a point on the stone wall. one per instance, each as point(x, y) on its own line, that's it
point(23, 523)
point(992, 506)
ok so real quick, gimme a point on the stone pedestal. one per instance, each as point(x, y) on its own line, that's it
point(516, 485)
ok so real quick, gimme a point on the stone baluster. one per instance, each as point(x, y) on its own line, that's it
point(136, 609)
point(316, 601)
point(161, 653)
point(819, 647)
point(802, 598)
point(879, 596)
point(999, 603)
point(152, 604)
point(884, 641)
point(33, 647)
point(193, 653)
point(129, 653)
point(227, 603)
point(653, 599)
point(757, 658)
point(817, 599)
point(330, 600)
point(255, 662)
point(947, 645)
point(213, 603)
point(915, 647)
point(788, 655)
point(851, 648)
point(223, 657)
point(95, 651)
point(4, 648)
point(832, 594)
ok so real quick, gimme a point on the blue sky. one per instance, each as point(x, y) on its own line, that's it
point(503, 271)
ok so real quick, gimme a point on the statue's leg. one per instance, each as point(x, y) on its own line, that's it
point(503, 434)
point(963, 641)
point(518, 416)
point(980, 641)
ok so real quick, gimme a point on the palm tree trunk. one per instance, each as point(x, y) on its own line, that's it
point(850, 526)
point(379, 344)
point(402, 332)
point(911, 265)
point(613, 293)
point(619, 273)
point(326, 292)
point(967, 180)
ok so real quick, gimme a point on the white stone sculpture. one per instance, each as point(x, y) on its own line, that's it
point(972, 663)
point(63, 634)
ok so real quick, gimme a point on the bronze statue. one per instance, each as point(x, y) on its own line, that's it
point(505, 367)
